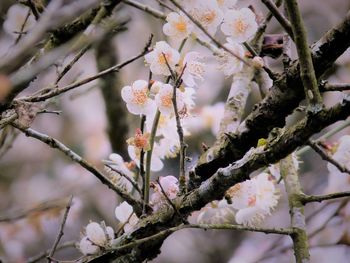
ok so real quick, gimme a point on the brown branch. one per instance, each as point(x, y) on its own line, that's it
point(44, 254)
point(325, 86)
point(325, 156)
point(55, 144)
point(307, 72)
point(279, 17)
point(60, 232)
point(296, 209)
point(319, 198)
point(58, 91)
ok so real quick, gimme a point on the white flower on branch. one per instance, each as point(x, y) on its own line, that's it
point(118, 164)
point(96, 236)
point(170, 186)
point(164, 100)
point(217, 212)
point(229, 64)
point(126, 216)
point(226, 4)
point(338, 181)
point(178, 27)
point(16, 18)
point(161, 58)
point(194, 68)
point(137, 98)
point(207, 13)
point(240, 25)
point(254, 199)
point(156, 162)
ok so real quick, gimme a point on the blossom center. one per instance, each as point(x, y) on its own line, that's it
point(209, 16)
point(139, 96)
point(166, 99)
point(181, 26)
point(163, 58)
point(240, 26)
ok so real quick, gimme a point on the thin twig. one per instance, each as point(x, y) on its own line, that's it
point(168, 199)
point(58, 91)
point(325, 156)
point(319, 198)
point(60, 232)
point(71, 64)
point(55, 144)
point(33, 8)
point(41, 208)
point(44, 254)
point(167, 232)
point(133, 182)
point(279, 17)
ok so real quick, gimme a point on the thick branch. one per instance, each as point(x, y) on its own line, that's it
point(282, 99)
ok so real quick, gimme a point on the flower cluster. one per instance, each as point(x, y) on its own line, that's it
point(170, 185)
point(97, 236)
point(126, 216)
point(117, 163)
point(250, 202)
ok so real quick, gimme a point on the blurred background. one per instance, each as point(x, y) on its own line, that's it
point(36, 181)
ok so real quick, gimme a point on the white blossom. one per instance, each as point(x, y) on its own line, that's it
point(137, 98)
point(126, 216)
point(217, 212)
point(118, 164)
point(207, 13)
point(96, 234)
point(254, 199)
point(156, 162)
point(162, 55)
point(178, 26)
point(239, 25)
point(194, 68)
point(96, 237)
point(338, 181)
point(228, 63)
point(171, 188)
point(164, 99)
point(226, 4)
point(87, 248)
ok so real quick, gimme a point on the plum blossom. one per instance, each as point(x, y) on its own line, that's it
point(170, 186)
point(96, 237)
point(239, 25)
point(178, 26)
point(216, 212)
point(164, 99)
point(162, 55)
point(140, 140)
point(170, 146)
point(15, 18)
point(228, 63)
point(207, 13)
point(156, 162)
point(137, 98)
point(118, 164)
point(194, 68)
point(226, 4)
point(338, 181)
point(254, 199)
point(126, 216)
